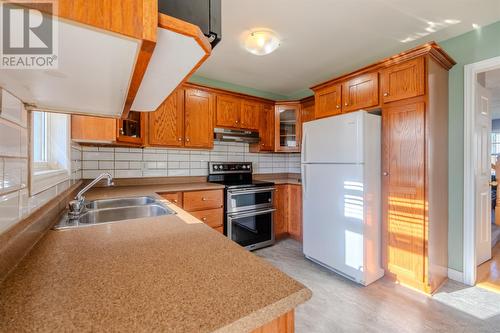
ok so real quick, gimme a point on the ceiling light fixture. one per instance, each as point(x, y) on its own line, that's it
point(261, 42)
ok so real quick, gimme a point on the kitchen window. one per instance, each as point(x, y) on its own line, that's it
point(50, 154)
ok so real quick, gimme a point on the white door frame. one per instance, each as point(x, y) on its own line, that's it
point(469, 228)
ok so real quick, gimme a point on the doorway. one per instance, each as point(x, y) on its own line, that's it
point(481, 168)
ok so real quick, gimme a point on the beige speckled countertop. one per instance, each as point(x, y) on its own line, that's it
point(170, 273)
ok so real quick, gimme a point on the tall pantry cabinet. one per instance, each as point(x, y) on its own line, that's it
point(411, 90)
point(414, 97)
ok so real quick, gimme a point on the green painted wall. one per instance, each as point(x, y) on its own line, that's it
point(468, 48)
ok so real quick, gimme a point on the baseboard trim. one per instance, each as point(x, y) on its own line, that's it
point(455, 275)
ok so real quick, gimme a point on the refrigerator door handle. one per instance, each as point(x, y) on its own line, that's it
point(304, 147)
point(303, 180)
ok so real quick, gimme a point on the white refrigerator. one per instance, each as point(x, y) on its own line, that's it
point(341, 194)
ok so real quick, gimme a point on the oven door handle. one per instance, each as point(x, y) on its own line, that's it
point(240, 192)
point(247, 214)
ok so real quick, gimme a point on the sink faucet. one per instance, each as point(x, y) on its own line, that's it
point(76, 206)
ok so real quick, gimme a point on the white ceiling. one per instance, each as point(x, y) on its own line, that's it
point(325, 38)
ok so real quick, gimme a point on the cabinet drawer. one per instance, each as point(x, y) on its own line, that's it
point(174, 197)
point(212, 217)
point(202, 200)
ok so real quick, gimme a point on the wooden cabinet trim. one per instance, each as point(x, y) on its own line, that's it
point(432, 49)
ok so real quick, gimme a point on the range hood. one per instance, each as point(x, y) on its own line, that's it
point(230, 135)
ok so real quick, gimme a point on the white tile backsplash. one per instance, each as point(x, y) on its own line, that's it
point(13, 109)
point(161, 162)
point(15, 200)
point(9, 206)
point(10, 139)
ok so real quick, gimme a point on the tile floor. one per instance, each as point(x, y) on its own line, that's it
point(339, 305)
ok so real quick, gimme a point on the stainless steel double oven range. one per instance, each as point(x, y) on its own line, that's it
point(248, 208)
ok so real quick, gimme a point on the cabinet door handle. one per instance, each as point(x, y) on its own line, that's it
point(179, 139)
point(346, 104)
point(386, 94)
point(337, 106)
point(187, 140)
point(204, 219)
point(236, 121)
point(122, 132)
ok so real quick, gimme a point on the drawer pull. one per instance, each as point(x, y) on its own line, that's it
point(204, 219)
point(203, 199)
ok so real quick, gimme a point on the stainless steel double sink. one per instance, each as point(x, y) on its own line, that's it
point(114, 210)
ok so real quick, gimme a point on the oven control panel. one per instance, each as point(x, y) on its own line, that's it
point(230, 167)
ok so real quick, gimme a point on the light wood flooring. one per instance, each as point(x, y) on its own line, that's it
point(339, 305)
point(488, 273)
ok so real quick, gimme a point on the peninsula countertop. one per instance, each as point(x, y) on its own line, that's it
point(170, 273)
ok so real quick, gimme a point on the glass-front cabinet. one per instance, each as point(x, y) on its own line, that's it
point(288, 127)
point(131, 129)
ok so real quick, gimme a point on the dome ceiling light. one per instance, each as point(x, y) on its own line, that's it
point(261, 42)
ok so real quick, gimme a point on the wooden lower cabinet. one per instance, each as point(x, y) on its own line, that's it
point(206, 206)
point(174, 197)
point(288, 214)
point(202, 200)
point(294, 221)
point(280, 204)
point(214, 218)
point(283, 324)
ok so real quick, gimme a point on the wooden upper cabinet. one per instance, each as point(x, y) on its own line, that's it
point(360, 92)
point(228, 111)
point(403, 80)
point(166, 125)
point(329, 101)
point(266, 128)
point(250, 115)
point(132, 130)
point(198, 115)
point(307, 111)
point(93, 129)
